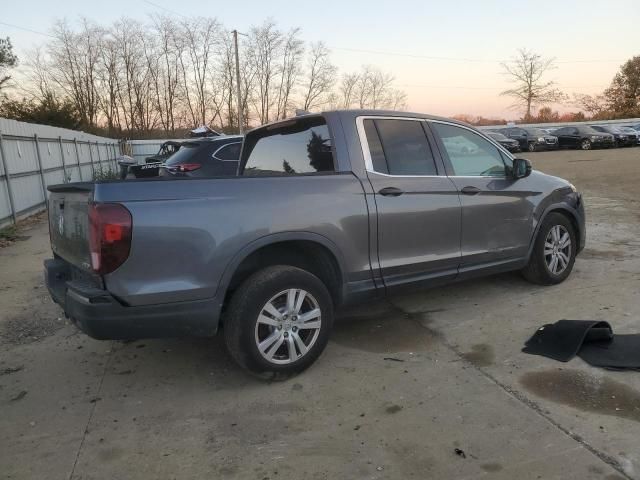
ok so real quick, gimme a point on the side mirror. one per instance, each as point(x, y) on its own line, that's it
point(521, 168)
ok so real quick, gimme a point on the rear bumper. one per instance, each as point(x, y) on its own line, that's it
point(100, 315)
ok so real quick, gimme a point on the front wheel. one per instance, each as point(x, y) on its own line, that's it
point(554, 251)
point(586, 144)
point(532, 147)
point(278, 321)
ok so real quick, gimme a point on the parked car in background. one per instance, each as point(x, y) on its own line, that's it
point(583, 137)
point(310, 224)
point(632, 135)
point(508, 143)
point(167, 149)
point(205, 157)
point(620, 139)
point(530, 138)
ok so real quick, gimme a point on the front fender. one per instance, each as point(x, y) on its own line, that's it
point(576, 214)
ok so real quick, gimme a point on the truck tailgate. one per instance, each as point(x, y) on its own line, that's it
point(69, 222)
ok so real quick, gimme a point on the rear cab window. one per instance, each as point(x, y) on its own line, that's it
point(298, 147)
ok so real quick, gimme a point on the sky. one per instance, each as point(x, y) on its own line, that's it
point(445, 55)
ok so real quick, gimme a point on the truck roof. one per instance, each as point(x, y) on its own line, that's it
point(348, 114)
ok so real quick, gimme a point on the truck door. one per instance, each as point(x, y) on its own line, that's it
point(497, 210)
point(418, 209)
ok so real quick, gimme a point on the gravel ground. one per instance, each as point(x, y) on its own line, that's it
point(428, 385)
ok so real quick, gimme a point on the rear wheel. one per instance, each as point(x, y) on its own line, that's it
point(554, 251)
point(278, 321)
point(585, 144)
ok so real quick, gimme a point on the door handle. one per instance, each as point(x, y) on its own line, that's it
point(470, 190)
point(391, 192)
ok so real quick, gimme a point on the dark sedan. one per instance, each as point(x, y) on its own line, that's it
point(583, 137)
point(205, 157)
point(530, 138)
point(632, 135)
point(620, 138)
point(508, 143)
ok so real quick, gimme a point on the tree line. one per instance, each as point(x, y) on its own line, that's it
point(166, 75)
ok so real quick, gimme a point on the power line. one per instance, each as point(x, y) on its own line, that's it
point(165, 8)
point(26, 29)
point(459, 59)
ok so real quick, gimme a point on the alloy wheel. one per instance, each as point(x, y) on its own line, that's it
point(557, 249)
point(288, 326)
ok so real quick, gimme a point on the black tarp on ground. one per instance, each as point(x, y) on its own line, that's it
point(591, 340)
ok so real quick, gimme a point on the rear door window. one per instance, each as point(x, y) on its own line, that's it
point(399, 147)
point(294, 148)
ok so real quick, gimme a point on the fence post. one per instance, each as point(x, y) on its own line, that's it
point(75, 143)
point(39, 158)
point(64, 167)
point(8, 179)
point(93, 169)
point(99, 157)
point(115, 156)
point(78, 160)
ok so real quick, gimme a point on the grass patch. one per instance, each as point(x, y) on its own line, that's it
point(9, 233)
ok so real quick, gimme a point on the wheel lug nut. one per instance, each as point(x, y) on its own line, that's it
point(279, 327)
point(295, 329)
point(286, 334)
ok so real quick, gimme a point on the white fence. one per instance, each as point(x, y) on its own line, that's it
point(32, 157)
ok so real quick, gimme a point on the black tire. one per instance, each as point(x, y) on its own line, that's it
point(537, 271)
point(246, 305)
point(532, 147)
point(585, 144)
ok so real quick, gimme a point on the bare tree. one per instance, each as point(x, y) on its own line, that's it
point(320, 79)
point(201, 36)
point(289, 71)
point(266, 45)
point(74, 66)
point(347, 89)
point(526, 70)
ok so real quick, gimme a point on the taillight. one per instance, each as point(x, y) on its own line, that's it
point(109, 236)
point(188, 167)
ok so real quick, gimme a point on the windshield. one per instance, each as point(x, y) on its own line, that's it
point(185, 153)
point(536, 131)
point(589, 130)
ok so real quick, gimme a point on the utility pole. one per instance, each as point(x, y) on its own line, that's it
point(240, 119)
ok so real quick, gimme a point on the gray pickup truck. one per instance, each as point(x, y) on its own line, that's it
point(327, 210)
